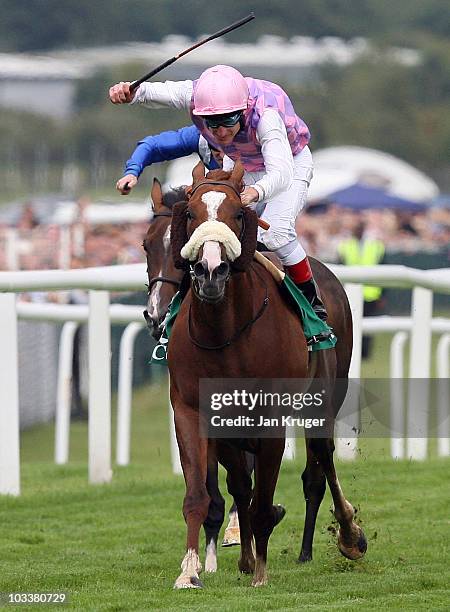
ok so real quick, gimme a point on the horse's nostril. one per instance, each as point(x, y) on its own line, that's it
point(222, 271)
point(200, 269)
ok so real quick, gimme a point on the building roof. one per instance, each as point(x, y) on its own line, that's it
point(298, 52)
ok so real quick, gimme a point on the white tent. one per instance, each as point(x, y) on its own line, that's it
point(338, 167)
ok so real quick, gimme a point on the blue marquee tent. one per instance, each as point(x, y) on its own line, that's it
point(359, 197)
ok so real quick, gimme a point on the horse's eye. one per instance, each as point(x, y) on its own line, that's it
point(239, 215)
point(189, 215)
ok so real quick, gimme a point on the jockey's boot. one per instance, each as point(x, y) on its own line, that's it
point(301, 274)
point(311, 292)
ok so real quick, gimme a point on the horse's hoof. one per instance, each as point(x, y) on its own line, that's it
point(246, 566)
point(210, 567)
point(232, 537)
point(280, 513)
point(260, 583)
point(188, 582)
point(304, 557)
point(357, 550)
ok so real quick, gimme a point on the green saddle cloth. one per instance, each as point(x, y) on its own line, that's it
point(312, 325)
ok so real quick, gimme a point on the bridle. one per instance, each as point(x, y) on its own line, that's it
point(191, 267)
point(162, 279)
point(221, 183)
point(242, 329)
point(265, 301)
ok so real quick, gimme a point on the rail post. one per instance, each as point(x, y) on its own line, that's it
point(443, 371)
point(347, 427)
point(397, 396)
point(124, 392)
point(9, 398)
point(99, 388)
point(419, 372)
point(64, 392)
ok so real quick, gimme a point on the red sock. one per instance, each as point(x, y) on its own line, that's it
point(300, 272)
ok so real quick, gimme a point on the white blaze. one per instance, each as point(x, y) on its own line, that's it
point(153, 299)
point(166, 238)
point(212, 254)
point(213, 199)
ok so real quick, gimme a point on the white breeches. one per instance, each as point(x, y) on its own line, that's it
point(282, 211)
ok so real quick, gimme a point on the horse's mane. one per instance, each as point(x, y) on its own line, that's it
point(176, 194)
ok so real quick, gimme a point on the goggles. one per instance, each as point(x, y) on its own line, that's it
point(229, 120)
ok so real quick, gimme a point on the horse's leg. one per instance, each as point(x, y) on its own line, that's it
point(314, 484)
point(351, 539)
point(263, 514)
point(239, 486)
point(193, 455)
point(216, 510)
point(232, 536)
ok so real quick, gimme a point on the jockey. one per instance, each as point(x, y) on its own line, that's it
point(254, 121)
point(165, 147)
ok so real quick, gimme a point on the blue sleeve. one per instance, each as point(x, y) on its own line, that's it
point(163, 147)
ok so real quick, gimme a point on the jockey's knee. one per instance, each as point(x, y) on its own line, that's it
point(290, 253)
point(275, 239)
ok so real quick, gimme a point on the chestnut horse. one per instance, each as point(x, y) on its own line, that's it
point(234, 308)
point(163, 281)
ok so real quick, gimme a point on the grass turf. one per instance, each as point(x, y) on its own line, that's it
point(119, 546)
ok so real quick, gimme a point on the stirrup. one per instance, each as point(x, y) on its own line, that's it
point(325, 335)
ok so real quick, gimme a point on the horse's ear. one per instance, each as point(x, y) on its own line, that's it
point(248, 240)
point(237, 173)
point(198, 173)
point(157, 196)
point(178, 235)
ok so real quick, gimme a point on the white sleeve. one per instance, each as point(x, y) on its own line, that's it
point(277, 154)
point(177, 94)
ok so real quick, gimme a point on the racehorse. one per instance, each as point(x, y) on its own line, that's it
point(232, 315)
point(163, 281)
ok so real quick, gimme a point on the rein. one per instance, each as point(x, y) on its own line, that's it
point(241, 330)
point(167, 213)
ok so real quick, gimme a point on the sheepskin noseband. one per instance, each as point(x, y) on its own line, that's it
point(215, 231)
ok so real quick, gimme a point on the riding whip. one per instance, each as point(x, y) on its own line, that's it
point(233, 26)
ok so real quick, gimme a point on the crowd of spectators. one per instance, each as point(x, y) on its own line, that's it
point(31, 245)
point(322, 229)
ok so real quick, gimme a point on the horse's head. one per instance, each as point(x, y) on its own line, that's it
point(213, 232)
point(163, 277)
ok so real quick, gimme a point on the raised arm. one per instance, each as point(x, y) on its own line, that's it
point(176, 94)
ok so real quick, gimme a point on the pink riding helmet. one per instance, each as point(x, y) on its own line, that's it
point(220, 90)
